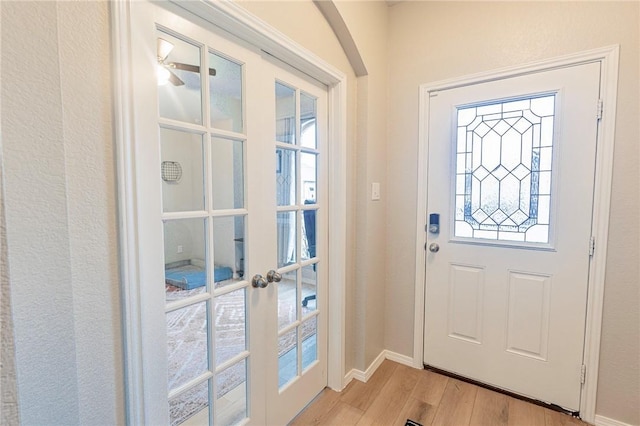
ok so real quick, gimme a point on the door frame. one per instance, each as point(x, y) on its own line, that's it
point(608, 58)
point(240, 23)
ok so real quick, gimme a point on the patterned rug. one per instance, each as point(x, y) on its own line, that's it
point(187, 346)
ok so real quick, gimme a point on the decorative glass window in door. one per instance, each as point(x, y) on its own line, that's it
point(504, 153)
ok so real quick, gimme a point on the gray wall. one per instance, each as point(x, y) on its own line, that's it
point(431, 41)
point(367, 23)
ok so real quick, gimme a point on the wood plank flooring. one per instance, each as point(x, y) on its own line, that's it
point(396, 393)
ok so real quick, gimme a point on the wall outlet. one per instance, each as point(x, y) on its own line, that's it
point(179, 249)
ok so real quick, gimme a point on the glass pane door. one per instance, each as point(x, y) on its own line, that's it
point(296, 178)
point(202, 145)
point(220, 344)
point(297, 363)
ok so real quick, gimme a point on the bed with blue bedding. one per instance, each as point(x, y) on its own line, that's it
point(189, 276)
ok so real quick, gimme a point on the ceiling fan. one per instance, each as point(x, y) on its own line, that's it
point(165, 68)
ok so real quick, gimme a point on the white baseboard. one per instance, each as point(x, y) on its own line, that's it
point(399, 358)
point(364, 376)
point(605, 421)
point(348, 378)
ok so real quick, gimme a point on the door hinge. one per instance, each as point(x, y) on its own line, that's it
point(583, 374)
point(600, 107)
point(592, 246)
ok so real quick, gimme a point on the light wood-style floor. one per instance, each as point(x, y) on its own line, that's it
point(396, 393)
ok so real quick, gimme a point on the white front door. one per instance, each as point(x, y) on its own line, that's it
point(509, 202)
point(232, 180)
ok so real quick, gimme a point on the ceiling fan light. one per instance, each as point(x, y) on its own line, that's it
point(164, 48)
point(163, 75)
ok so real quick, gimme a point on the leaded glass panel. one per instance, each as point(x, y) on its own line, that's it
point(504, 154)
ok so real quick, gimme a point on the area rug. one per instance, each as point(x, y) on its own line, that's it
point(187, 346)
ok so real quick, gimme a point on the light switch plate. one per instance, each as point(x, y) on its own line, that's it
point(375, 191)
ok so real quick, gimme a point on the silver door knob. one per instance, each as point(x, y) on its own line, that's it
point(434, 248)
point(273, 276)
point(258, 281)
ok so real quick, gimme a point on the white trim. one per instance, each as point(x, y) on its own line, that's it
point(594, 55)
point(127, 212)
point(333, 16)
point(336, 363)
point(364, 376)
point(605, 421)
point(600, 229)
point(401, 359)
point(352, 374)
point(608, 56)
point(242, 24)
point(421, 235)
point(229, 16)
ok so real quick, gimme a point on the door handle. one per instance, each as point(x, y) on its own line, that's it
point(273, 276)
point(434, 248)
point(258, 281)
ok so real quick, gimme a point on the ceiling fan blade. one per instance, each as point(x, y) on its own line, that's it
point(184, 67)
point(164, 48)
point(175, 80)
point(190, 68)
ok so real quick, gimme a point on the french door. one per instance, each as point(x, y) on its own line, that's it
point(510, 195)
point(233, 228)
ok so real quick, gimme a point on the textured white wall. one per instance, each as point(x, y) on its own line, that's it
point(431, 41)
point(85, 74)
point(61, 212)
point(8, 389)
point(36, 215)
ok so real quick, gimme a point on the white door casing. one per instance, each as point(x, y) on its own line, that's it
point(488, 309)
point(138, 202)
